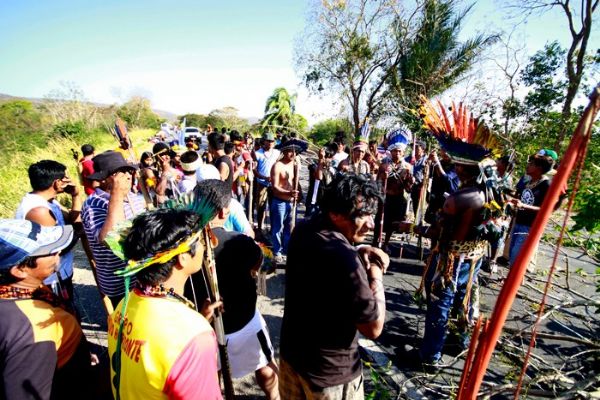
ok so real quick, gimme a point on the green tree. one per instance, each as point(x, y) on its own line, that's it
point(137, 112)
point(579, 19)
point(299, 124)
point(347, 49)
point(227, 117)
point(279, 110)
point(197, 120)
point(325, 131)
point(545, 78)
point(432, 58)
point(280, 114)
point(19, 116)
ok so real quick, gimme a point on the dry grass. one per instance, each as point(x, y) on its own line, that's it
point(14, 182)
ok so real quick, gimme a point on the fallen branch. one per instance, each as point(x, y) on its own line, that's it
point(564, 338)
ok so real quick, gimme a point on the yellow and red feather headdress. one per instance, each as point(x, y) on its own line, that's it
point(466, 139)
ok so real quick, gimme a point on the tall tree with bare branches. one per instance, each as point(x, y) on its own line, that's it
point(579, 17)
point(348, 48)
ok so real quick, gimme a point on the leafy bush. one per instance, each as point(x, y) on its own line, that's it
point(69, 129)
point(19, 116)
point(197, 120)
point(324, 132)
point(138, 114)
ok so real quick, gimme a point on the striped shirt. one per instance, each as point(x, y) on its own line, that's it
point(93, 214)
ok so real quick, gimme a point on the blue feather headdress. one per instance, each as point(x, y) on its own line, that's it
point(399, 139)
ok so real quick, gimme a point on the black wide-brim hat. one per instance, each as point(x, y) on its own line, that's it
point(107, 163)
point(297, 145)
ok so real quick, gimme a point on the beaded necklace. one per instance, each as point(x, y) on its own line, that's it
point(40, 293)
point(160, 291)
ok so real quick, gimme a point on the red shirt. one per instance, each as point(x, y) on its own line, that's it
point(87, 169)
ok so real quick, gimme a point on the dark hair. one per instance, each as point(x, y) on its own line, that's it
point(331, 147)
point(6, 278)
point(330, 150)
point(162, 148)
point(215, 191)
point(146, 154)
point(351, 195)
point(223, 130)
point(235, 135)
point(87, 149)
point(508, 161)
point(189, 157)
point(544, 162)
point(157, 231)
point(216, 141)
point(229, 147)
point(43, 173)
point(371, 142)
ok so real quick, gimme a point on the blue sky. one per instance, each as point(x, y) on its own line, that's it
point(186, 56)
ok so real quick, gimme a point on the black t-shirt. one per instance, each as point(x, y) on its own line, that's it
point(43, 352)
point(532, 195)
point(326, 295)
point(226, 160)
point(235, 256)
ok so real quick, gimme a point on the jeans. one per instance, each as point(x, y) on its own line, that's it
point(281, 221)
point(443, 303)
point(520, 233)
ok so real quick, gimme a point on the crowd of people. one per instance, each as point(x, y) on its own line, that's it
point(156, 227)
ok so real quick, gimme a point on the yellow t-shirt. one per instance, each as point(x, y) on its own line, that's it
point(169, 351)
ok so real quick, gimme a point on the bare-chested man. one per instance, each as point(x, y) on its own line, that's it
point(397, 175)
point(452, 271)
point(284, 194)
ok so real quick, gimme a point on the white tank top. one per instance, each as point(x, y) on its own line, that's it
point(31, 201)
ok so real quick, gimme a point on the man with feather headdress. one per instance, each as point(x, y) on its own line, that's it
point(466, 222)
point(356, 162)
point(396, 176)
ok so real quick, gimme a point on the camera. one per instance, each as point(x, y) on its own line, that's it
point(69, 189)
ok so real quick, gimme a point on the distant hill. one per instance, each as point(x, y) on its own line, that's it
point(169, 116)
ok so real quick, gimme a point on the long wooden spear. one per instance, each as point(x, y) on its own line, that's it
point(379, 233)
point(421, 205)
point(210, 275)
point(296, 183)
point(490, 336)
point(250, 180)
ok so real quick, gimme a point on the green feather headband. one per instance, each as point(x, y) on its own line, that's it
point(115, 240)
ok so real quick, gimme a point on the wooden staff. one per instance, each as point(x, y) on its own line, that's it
point(296, 183)
point(420, 212)
point(379, 237)
point(210, 275)
point(250, 180)
point(120, 133)
point(574, 156)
